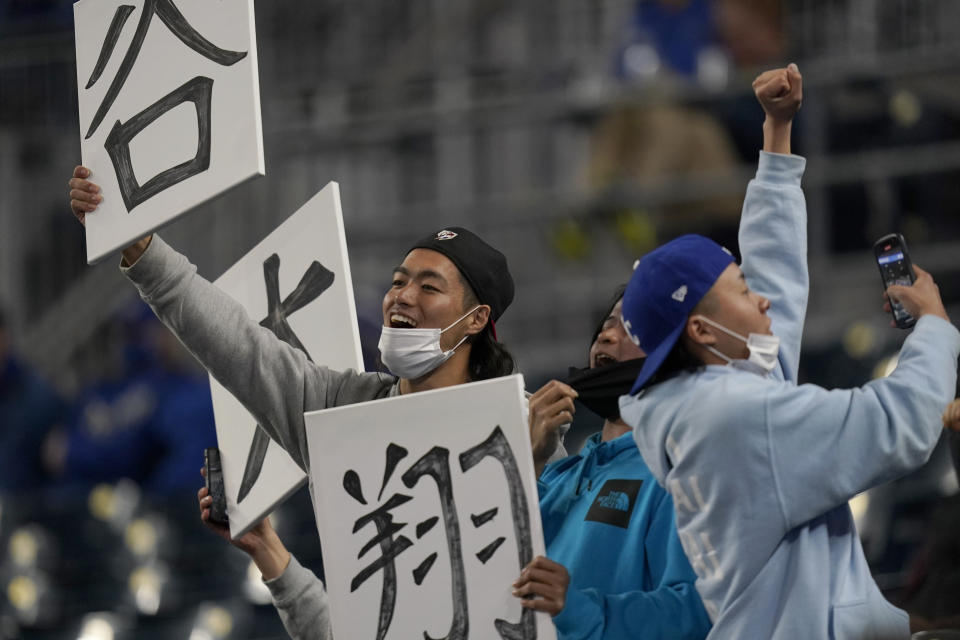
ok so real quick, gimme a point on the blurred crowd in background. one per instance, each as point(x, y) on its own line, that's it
point(574, 135)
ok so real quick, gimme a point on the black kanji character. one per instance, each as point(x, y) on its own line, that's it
point(390, 547)
point(497, 446)
point(198, 90)
point(436, 464)
point(314, 282)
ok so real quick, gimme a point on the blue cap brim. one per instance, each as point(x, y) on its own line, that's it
point(656, 357)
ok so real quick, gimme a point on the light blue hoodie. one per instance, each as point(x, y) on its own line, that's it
point(761, 469)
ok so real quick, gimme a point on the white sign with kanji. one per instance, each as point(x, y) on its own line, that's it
point(296, 283)
point(427, 510)
point(169, 109)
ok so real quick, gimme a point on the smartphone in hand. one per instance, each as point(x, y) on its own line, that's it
point(893, 259)
point(214, 481)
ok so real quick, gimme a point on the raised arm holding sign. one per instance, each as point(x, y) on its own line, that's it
point(438, 315)
point(160, 114)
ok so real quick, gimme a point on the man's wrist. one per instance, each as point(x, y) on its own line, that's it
point(776, 135)
point(270, 556)
point(272, 563)
point(132, 253)
point(939, 313)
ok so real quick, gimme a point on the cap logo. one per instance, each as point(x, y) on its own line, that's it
point(446, 235)
point(680, 293)
point(626, 327)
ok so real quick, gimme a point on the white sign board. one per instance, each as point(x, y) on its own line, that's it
point(296, 283)
point(169, 109)
point(427, 510)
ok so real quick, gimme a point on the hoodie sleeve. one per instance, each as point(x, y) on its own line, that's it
point(827, 446)
point(301, 601)
point(773, 243)
point(275, 382)
point(672, 609)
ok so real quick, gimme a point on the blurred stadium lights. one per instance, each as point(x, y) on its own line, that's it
point(24, 594)
point(641, 62)
point(146, 536)
point(34, 601)
point(713, 68)
point(114, 504)
point(149, 587)
point(254, 588)
point(947, 483)
point(100, 626)
point(859, 340)
point(886, 366)
point(214, 622)
point(905, 108)
point(32, 547)
point(23, 548)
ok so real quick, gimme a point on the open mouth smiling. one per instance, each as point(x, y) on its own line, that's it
point(400, 321)
point(603, 359)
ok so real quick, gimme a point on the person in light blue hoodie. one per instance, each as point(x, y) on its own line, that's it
point(760, 469)
point(615, 568)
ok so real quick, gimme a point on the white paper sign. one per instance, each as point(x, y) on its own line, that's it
point(427, 510)
point(169, 109)
point(297, 284)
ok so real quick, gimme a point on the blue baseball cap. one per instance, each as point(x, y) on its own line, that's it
point(666, 285)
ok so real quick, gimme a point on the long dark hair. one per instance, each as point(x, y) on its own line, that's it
point(488, 358)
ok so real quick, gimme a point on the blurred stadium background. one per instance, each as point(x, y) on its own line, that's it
point(574, 135)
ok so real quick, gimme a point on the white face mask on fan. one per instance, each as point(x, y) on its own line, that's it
point(413, 353)
point(763, 348)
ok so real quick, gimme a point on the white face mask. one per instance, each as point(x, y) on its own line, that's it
point(763, 348)
point(412, 353)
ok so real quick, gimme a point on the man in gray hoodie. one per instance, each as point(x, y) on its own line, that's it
point(438, 330)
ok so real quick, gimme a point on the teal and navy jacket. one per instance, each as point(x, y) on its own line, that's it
point(609, 523)
point(760, 468)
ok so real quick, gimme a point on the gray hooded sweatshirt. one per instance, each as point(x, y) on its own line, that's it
point(275, 382)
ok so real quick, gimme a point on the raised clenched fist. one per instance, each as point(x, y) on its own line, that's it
point(780, 92)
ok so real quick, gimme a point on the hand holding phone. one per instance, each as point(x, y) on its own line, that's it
point(213, 475)
point(910, 291)
point(920, 299)
point(896, 268)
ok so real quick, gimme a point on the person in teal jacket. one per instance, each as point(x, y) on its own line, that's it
point(760, 468)
point(608, 527)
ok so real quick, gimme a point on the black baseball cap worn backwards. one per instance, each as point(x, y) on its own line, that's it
point(483, 267)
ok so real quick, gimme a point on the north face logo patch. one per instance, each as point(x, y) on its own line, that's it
point(614, 503)
point(615, 500)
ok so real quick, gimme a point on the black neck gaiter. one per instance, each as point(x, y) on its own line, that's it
point(600, 389)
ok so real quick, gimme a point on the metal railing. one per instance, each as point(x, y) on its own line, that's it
point(479, 113)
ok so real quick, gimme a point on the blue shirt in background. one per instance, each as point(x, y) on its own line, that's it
point(609, 523)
